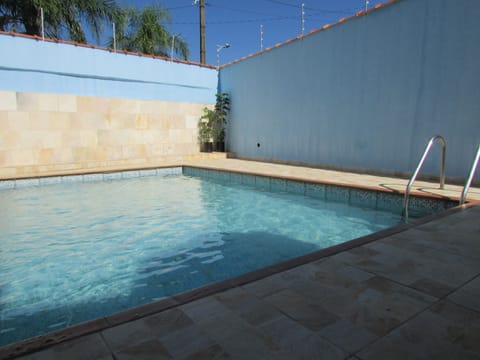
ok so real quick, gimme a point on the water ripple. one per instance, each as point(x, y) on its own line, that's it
point(73, 252)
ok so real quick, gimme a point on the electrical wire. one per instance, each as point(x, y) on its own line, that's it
point(256, 20)
point(178, 7)
point(284, 3)
point(240, 10)
point(327, 11)
point(313, 14)
point(279, 18)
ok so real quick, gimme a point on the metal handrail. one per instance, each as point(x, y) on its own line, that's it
point(419, 166)
point(470, 177)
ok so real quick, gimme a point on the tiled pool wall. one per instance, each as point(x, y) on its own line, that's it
point(356, 197)
point(21, 183)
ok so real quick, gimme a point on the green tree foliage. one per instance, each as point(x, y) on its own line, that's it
point(144, 31)
point(62, 19)
point(222, 107)
point(138, 31)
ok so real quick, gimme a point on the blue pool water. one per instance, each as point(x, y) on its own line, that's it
point(75, 252)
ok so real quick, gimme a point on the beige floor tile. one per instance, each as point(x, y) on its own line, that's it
point(446, 331)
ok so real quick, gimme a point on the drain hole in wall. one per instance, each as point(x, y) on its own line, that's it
point(258, 144)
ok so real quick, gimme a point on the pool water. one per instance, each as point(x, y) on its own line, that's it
point(75, 252)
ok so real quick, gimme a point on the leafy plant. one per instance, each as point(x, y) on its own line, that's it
point(62, 18)
point(136, 30)
point(222, 107)
point(145, 31)
point(211, 126)
point(205, 126)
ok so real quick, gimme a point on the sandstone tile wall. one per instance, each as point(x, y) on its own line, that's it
point(44, 134)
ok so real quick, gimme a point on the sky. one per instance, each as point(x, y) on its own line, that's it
point(239, 23)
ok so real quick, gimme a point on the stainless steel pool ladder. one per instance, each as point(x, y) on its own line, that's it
point(473, 169)
point(417, 170)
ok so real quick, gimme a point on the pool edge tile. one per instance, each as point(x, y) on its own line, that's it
point(25, 183)
point(45, 341)
point(93, 177)
point(262, 182)
point(296, 187)
point(7, 184)
point(278, 184)
point(141, 311)
point(50, 180)
point(337, 194)
point(364, 198)
point(315, 190)
point(72, 178)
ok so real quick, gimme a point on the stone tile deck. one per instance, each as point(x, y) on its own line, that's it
point(414, 294)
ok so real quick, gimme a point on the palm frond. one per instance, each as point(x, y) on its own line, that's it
point(140, 31)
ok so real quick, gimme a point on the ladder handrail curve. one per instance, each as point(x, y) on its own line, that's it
point(473, 169)
point(419, 166)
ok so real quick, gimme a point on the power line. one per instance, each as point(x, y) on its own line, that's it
point(279, 18)
point(299, 6)
point(271, 14)
point(283, 3)
point(326, 11)
point(253, 20)
point(179, 7)
point(240, 10)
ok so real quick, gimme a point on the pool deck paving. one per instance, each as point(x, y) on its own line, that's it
point(410, 293)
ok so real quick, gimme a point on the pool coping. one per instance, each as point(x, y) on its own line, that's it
point(246, 172)
point(49, 339)
point(332, 183)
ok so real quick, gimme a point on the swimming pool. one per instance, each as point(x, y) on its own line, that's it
point(91, 245)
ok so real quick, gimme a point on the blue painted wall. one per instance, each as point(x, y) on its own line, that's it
point(365, 94)
point(29, 65)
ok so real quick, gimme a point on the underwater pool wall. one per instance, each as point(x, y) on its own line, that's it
point(365, 94)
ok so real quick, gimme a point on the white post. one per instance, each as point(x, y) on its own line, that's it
point(366, 5)
point(173, 45)
point(43, 23)
point(261, 37)
point(303, 18)
point(114, 38)
point(219, 48)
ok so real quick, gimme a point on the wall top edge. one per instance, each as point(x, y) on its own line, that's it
point(314, 31)
point(124, 52)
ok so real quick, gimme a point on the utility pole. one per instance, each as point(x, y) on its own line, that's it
point(202, 32)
